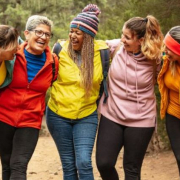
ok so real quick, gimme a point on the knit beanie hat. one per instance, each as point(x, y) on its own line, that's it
point(87, 21)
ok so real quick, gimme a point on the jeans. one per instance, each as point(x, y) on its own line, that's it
point(74, 140)
point(16, 148)
point(173, 131)
point(111, 138)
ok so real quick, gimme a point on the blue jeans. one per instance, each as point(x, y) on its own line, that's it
point(74, 140)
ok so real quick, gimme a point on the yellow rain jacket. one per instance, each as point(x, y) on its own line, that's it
point(67, 97)
point(3, 72)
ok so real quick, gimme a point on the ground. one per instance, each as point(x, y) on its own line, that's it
point(45, 164)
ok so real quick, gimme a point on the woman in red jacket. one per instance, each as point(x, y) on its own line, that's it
point(22, 103)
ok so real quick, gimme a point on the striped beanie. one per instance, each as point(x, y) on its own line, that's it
point(87, 21)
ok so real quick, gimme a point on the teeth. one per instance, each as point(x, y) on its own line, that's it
point(41, 43)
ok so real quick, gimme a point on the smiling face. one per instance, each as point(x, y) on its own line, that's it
point(130, 41)
point(76, 37)
point(35, 44)
point(171, 55)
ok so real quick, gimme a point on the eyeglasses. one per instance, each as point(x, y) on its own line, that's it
point(40, 33)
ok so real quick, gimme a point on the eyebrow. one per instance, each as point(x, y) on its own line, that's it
point(42, 31)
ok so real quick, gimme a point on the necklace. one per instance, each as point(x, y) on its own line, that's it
point(78, 60)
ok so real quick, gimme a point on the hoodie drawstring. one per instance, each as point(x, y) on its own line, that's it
point(136, 82)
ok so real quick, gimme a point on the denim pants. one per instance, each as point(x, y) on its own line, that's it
point(74, 140)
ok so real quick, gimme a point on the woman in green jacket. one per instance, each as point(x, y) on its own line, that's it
point(8, 48)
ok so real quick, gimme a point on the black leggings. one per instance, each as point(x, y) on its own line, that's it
point(16, 148)
point(111, 138)
point(173, 131)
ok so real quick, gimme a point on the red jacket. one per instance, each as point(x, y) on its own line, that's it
point(22, 104)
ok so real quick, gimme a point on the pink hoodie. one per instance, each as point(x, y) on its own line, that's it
point(131, 100)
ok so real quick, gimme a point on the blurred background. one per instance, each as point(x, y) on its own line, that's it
point(113, 14)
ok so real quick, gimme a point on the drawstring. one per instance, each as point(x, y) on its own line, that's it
point(137, 95)
point(136, 82)
point(126, 77)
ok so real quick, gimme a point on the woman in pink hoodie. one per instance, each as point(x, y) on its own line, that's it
point(128, 118)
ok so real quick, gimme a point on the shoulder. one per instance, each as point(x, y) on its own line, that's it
point(10, 63)
point(59, 45)
point(100, 44)
point(62, 42)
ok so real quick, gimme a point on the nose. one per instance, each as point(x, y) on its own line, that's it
point(122, 38)
point(43, 36)
point(73, 35)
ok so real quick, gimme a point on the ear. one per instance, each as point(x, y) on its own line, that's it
point(26, 34)
point(141, 40)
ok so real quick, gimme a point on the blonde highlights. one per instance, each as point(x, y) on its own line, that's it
point(172, 66)
point(149, 30)
point(151, 47)
point(87, 62)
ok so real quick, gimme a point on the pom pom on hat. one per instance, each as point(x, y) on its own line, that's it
point(92, 8)
point(87, 21)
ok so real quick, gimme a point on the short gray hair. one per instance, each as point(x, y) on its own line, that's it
point(36, 20)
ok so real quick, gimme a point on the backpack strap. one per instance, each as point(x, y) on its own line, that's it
point(55, 67)
point(56, 50)
point(105, 60)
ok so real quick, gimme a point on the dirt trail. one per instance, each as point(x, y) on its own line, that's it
point(45, 164)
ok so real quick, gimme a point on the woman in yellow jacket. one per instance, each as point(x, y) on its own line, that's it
point(72, 111)
point(8, 48)
point(169, 87)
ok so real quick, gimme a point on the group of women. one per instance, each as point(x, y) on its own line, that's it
point(128, 118)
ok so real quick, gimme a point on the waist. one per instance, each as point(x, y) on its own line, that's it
point(174, 105)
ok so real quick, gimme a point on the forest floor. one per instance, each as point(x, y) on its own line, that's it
point(45, 163)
